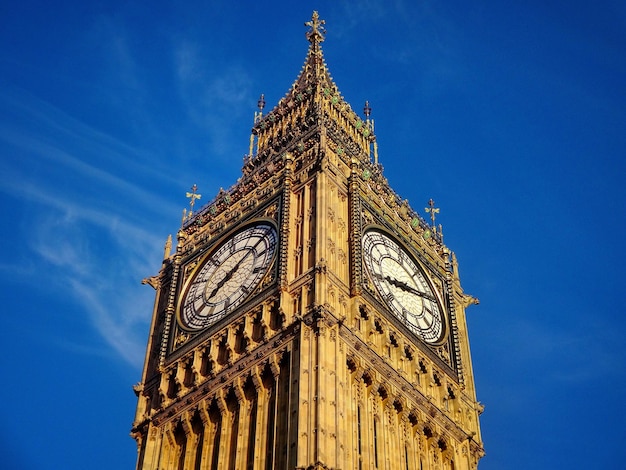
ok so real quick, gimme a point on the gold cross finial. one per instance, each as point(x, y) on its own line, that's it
point(192, 196)
point(317, 31)
point(432, 210)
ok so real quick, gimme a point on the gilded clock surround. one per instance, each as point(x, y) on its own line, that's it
point(311, 370)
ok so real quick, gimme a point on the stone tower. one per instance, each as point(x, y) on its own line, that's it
point(308, 317)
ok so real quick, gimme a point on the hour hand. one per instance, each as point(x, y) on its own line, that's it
point(397, 283)
point(224, 280)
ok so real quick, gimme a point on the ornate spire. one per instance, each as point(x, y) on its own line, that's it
point(314, 63)
point(313, 95)
point(314, 77)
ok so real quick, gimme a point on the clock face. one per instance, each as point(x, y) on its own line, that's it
point(228, 275)
point(403, 286)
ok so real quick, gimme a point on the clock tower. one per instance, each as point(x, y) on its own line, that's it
point(308, 317)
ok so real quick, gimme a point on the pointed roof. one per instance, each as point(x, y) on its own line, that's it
point(314, 71)
point(315, 86)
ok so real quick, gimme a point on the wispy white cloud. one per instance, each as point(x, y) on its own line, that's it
point(96, 202)
point(75, 244)
point(86, 232)
point(119, 316)
point(46, 134)
point(59, 243)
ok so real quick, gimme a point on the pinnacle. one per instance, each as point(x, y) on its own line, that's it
point(312, 95)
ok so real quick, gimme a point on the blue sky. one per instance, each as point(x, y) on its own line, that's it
point(510, 115)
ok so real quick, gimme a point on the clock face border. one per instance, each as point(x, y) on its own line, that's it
point(406, 286)
point(203, 269)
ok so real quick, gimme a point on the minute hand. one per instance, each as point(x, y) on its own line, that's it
point(405, 287)
point(230, 273)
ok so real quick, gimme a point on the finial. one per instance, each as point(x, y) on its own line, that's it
point(192, 196)
point(168, 247)
point(257, 118)
point(316, 34)
point(375, 150)
point(261, 103)
point(367, 110)
point(432, 210)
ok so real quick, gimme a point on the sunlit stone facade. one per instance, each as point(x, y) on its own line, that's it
point(308, 318)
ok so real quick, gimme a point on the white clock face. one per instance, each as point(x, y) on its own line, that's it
point(403, 286)
point(228, 275)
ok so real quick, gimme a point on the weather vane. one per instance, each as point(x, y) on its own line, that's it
point(432, 210)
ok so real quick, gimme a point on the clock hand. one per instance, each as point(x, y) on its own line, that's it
point(224, 280)
point(251, 250)
point(395, 282)
point(234, 269)
point(405, 287)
